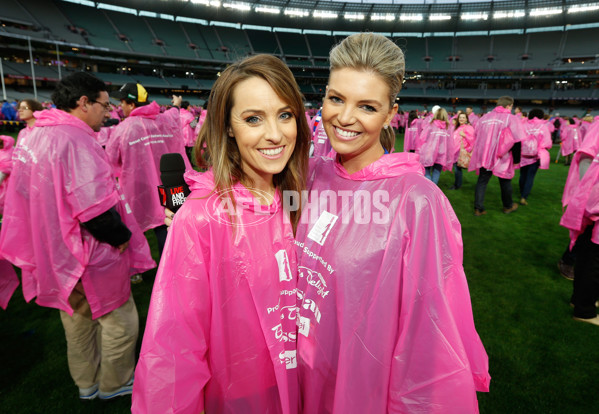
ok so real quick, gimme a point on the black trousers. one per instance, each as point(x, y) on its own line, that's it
point(161, 233)
point(505, 184)
point(586, 276)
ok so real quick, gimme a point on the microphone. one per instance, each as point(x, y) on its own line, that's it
point(173, 190)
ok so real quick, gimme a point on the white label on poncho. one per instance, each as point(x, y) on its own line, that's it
point(283, 263)
point(321, 229)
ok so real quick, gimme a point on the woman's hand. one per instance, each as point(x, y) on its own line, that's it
point(168, 217)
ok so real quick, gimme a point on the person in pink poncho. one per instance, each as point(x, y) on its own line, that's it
point(412, 129)
point(26, 110)
point(580, 217)
point(385, 320)
point(134, 149)
point(497, 133)
point(69, 230)
point(188, 126)
point(472, 117)
point(535, 151)
point(6, 149)
point(570, 136)
point(8, 276)
point(221, 332)
point(435, 146)
point(463, 140)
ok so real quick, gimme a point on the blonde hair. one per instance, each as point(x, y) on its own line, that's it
point(214, 148)
point(441, 115)
point(373, 53)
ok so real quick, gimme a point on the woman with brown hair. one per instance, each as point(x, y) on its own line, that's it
point(25, 111)
point(221, 334)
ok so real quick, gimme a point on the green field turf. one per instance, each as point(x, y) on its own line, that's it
point(539, 357)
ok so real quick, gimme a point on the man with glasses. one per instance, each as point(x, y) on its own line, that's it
point(135, 147)
point(67, 227)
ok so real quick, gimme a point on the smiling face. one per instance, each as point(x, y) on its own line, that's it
point(462, 119)
point(355, 110)
point(264, 128)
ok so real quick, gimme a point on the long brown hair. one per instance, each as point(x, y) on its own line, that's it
point(215, 149)
point(456, 121)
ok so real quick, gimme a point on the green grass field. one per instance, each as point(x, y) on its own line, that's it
point(539, 357)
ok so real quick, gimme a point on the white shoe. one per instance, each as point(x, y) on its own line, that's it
point(593, 321)
point(88, 393)
point(126, 389)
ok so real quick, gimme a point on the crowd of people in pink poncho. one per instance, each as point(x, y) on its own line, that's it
point(314, 268)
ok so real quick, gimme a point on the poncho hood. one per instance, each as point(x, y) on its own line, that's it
point(389, 165)
point(147, 111)
point(243, 197)
point(55, 117)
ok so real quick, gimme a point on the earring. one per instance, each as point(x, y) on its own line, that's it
point(386, 126)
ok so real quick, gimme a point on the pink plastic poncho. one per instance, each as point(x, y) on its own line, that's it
point(27, 130)
point(5, 166)
point(473, 119)
point(61, 178)
point(134, 150)
point(570, 136)
point(536, 144)
point(103, 136)
point(583, 205)
point(459, 141)
point(411, 135)
point(385, 321)
point(8, 282)
point(492, 142)
point(435, 145)
point(221, 335)
point(201, 120)
point(584, 128)
point(189, 136)
point(589, 149)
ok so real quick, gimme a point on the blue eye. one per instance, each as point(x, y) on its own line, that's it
point(334, 99)
point(252, 120)
point(286, 115)
point(369, 108)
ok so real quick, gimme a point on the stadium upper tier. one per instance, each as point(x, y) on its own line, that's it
point(136, 36)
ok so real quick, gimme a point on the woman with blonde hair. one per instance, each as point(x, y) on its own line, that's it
point(221, 335)
point(435, 146)
point(385, 321)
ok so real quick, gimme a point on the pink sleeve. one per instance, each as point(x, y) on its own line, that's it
point(8, 282)
point(173, 369)
point(439, 361)
point(506, 142)
point(90, 189)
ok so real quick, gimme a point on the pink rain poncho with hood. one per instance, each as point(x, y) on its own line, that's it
point(495, 133)
point(5, 165)
point(570, 136)
point(221, 334)
point(536, 144)
point(189, 135)
point(582, 195)
point(466, 141)
point(589, 149)
point(385, 320)
point(61, 178)
point(134, 150)
point(435, 145)
point(411, 135)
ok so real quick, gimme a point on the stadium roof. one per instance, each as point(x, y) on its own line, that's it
point(395, 16)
